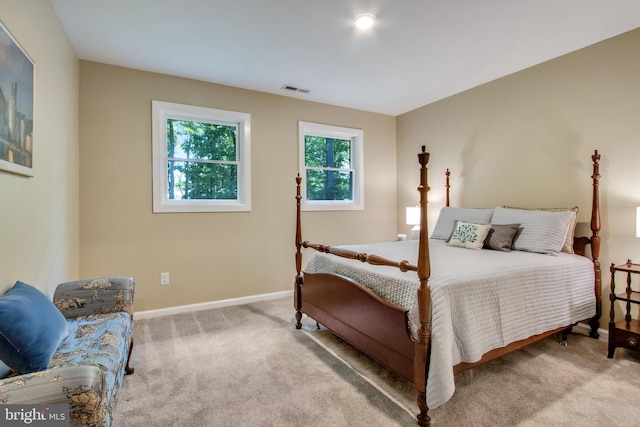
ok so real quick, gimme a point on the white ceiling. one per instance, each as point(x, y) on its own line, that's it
point(420, 51)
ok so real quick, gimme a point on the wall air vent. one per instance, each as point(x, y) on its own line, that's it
point(295, 89)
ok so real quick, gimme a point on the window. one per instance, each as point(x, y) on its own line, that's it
point(331, 167)
point(201, 159)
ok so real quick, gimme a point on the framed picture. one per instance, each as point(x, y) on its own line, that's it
point(17, 81)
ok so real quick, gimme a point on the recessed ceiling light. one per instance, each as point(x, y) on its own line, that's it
point(364, 21)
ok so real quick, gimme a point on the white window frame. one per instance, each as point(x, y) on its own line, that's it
point(161, 112)
point(357, 165)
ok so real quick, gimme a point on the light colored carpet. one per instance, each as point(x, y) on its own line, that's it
point(243, 366)
point(249, 366)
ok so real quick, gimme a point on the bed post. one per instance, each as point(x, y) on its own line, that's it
point(421, 358)
point(297, 295)
point(595, 244)
point(447, 186)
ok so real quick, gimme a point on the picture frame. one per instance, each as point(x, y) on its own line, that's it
point(17, 90)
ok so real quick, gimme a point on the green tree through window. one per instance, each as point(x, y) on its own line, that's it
point(331, 164)
point(202, 160)
point(328, 165)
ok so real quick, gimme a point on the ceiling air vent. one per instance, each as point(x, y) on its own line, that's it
point(295, 89)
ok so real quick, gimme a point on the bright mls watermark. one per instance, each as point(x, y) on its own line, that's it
point(54, 415)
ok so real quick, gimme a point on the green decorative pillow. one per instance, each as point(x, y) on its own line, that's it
point(31, 329)
point(500, 237)
point(469, 235)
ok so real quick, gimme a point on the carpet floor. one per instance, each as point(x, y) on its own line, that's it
point(248, 366)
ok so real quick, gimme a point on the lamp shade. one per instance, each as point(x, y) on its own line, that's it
point(638, 222)
point(413, 215)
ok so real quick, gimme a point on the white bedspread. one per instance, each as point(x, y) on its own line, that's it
point(481, 299)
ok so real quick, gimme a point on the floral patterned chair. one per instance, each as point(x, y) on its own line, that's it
point(88, 366)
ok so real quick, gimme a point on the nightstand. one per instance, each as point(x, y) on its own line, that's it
point(624, 333)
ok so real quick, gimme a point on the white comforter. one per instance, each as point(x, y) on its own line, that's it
point(481, 299)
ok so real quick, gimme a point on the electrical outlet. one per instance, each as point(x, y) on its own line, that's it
point(164, 278)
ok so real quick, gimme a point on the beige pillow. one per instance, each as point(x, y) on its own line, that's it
point(567, 247)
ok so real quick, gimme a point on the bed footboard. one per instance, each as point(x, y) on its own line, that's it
point(354, 313)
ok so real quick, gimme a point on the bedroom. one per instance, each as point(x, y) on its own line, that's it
point(87, 212)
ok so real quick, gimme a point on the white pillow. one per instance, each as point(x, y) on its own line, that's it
point(468, 235)
point(448, 216)
point(571, 231)
point(542, 231)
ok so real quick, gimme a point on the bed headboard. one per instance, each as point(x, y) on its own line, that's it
point(581, 243)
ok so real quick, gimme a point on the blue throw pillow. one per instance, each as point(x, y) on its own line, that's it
point(4, 370)
point(31, 329)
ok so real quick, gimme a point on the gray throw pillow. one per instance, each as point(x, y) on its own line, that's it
point(500, 237)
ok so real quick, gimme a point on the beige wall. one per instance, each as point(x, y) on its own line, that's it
point(526, 140)
point(40, 234)
point(211, 256)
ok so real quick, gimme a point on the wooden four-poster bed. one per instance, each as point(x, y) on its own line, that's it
point(407, 340)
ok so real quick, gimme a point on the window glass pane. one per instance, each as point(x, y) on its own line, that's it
point(197, 180)
point(196, 140)
point(315, 153)
point(342, 153)
point(329, 185)
point(321, 152)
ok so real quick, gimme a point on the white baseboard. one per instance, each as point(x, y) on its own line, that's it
point(148, 314)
